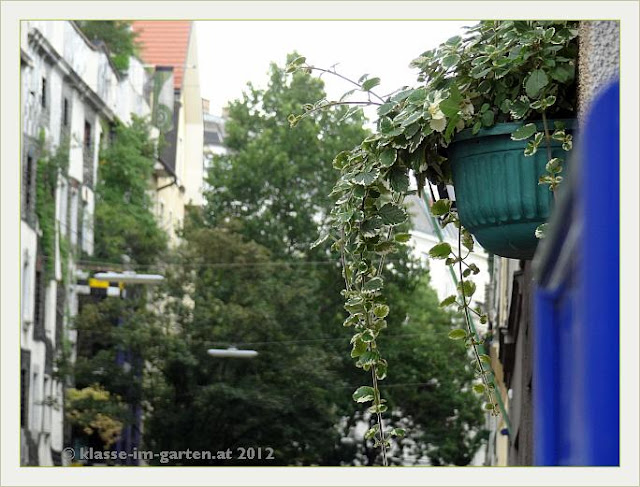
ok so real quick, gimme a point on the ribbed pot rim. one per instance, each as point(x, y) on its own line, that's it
point(508, 128)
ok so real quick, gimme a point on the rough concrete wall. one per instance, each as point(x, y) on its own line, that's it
point(599, 59)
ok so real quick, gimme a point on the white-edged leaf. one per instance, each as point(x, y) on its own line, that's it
point(373, 285)
point(321, 239)
point(440, 251)
point(524, 132)
point(392, 214)
point(363, 394)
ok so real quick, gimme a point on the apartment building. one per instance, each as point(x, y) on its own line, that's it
point(170, 49)
point(70, 93)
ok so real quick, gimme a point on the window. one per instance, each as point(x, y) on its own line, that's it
point(38, 315)
point(24, 396)
point(44, 93)
point(28, 177)
point(26, 282)
point(81, 222)
point(33, 404)
point(46, 409)
point(87, 135)
point(65, 112)
point(73, 217)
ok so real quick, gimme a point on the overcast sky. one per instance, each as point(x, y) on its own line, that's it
point(232, 53)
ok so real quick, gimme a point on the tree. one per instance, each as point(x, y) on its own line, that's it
point(275, 179)
point(124, 225)
point(246, 276)
point(124, 219)
point(116, 35)
point(250, 276)
point(281, 399)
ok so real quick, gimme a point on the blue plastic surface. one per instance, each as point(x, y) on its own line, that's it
point(577, 315)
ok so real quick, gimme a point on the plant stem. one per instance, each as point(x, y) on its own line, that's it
point(374, 379)
point(376, 395)
point(468, 323)
point(342, 260)
point(335, 73)
point(548, 144)
point(546, 135)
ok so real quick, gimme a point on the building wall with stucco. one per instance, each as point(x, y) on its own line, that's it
point(598, 59)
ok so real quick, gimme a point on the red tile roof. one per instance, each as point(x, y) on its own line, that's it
point(164, 43)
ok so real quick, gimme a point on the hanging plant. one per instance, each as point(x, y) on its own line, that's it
point(500, 71)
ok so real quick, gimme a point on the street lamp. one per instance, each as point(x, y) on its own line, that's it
point(129, 277)
point(231, 352)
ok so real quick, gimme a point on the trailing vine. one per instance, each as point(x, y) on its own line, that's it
point(49, 168)
point(501, 71)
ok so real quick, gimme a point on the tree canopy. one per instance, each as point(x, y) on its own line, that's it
point(252, 281)
point(245, 276)
point(117, 36)
point(124, 219)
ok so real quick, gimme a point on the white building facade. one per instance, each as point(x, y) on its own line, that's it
point(70, 93)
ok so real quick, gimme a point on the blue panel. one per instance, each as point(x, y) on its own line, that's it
point(599, 290)
point(545, 384)
point(577, 317)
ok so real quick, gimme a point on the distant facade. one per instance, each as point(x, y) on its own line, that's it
point(70, 94)
point(170, 48)
point(213, 140)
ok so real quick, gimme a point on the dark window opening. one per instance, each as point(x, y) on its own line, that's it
point(24, 378)
point(81, 232)
point(37, 314)
point(44, 93)
point(28, 186)
point(65, 113)
point(87, 135)
point(38, 310)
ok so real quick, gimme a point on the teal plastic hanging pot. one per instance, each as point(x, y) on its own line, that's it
point(498, 196)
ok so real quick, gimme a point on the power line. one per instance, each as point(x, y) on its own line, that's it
point(319, 340)
point(273, 263)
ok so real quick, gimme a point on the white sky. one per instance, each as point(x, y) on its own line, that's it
point(231, 53)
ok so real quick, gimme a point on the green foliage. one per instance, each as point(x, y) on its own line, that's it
point(49, 168)
point(249, 273)
point(501, 71)
point(277, 180)
point(124, 220)
point(285, 397)
point(245, 275)
point(117, 36)
point(445, 414)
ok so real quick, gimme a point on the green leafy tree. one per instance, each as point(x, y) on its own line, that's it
point(117, 36)
point(112, 330)
point(250, 277)
point(229, 291)
point(246, 276)
point(275, 179)
point(124, 221)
